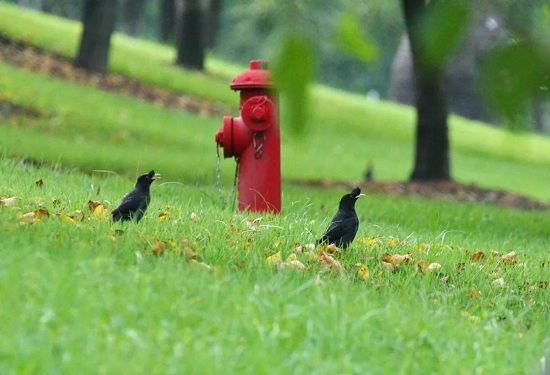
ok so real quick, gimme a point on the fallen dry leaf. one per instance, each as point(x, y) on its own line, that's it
point(254, 224)
point(389, 266)
point(194, 216)
point(77, 215)
point(8, 201)
point(434, 266)
point(422, 265)
point(188, 253)
point(474, 293)
point(328, 261)
point(396, 258)
point(163, 215)
point(34, 216)
point(477, 256)
point(292, 262)
point(332, 248)
point(92, 205)
point(509, 258)
point(201, 264)
point(39, 183)
point(64, 217)
point(499, 282)
point(274, 259)
point(371, 241)
point(363, 271)
point(100, 213)
point(159, 247)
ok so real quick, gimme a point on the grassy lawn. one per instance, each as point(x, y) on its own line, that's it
point(199, 288)
point(91, 297)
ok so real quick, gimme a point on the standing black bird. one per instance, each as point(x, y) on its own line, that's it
point(344, 225)
point(134, 204)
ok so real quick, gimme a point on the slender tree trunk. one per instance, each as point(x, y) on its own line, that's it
point(98, 23)
point(432, 138)
point(167, 19)
point(190, 38)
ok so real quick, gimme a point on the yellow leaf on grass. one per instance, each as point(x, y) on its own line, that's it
point(363, 271)
point(163, 215)
point(67, 218)
point(474, 293)
point(274, 259)
point(100, 213)
point(371, 241)
point(332, 248)
point(92, 205)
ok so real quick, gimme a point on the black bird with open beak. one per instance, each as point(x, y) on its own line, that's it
point(134, 204)
point(344, 225)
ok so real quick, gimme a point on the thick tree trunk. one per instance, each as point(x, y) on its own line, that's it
point(190, 38)
point(98, 23)
point(167, 19)
point(432, 138)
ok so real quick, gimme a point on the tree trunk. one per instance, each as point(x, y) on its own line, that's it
point(98, 23)
point(167, 19)
point(432, 138)
point(189, 38)
point(213, 22)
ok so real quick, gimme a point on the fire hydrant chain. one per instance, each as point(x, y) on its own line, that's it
point(258, 146)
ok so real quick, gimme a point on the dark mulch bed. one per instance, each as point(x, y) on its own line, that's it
point(445, 190)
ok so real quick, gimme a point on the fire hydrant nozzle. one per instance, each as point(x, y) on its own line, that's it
point(253, 139)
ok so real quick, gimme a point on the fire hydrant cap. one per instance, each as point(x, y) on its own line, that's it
point(257, 77)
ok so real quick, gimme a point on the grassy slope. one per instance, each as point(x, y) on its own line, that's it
point(347, 127)
point(85, 299)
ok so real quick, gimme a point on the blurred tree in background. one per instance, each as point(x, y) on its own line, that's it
point(98, 19)
point(250, 29)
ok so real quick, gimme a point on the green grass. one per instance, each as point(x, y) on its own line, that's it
point(92, 297)
point(84, 297)
point(351, 130)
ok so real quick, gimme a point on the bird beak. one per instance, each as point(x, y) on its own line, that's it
point(359, 196)
point(156, 176)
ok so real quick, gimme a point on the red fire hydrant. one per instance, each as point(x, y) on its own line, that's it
point(253, 139)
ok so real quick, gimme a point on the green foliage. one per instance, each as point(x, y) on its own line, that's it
point(351, 39)
point(293, 73)
point(442, 26)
